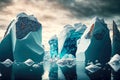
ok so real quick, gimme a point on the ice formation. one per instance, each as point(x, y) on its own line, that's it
point(7, 63)
point(23, 40)
point(68, 37)
point(29, 62)
point(115, 62)
point(53, 42)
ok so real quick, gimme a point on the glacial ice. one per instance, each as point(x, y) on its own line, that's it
point(116, 40)
point(100, 45)
point(115, 62)
point(68, 37)
point(23, 40)
point(53, 42)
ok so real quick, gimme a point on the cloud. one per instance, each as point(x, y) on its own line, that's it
point(88, 8)
point(4, 3)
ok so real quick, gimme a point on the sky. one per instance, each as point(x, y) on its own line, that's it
point(55, 14)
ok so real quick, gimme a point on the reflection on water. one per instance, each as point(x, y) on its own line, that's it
point(69, 73)
point(24, 72)
point(49, 71)
point(5, 72)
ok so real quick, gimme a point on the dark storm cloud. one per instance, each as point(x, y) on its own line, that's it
point(88, 8)
point(4, 3)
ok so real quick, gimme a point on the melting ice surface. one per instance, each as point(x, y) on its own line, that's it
point(115, 62)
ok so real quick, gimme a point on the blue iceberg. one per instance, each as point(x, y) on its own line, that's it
point(99, 49)
point(53, 42)
point(100, 45)
point(116, 40)
point(23, 40)
point(68, 37)
point(115, 60)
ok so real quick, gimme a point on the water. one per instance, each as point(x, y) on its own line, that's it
point(46, 70)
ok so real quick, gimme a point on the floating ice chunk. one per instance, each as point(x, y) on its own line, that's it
point(92, 68)
point(36, 66)
point(89, 63)
point(7, 62)
point(29, 62)
point(61, 63)
point(41, 63)
point(66, 56)
point(67, 60)
point(115, 62)
point(98, 64)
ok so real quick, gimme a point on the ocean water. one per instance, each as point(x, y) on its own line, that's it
point(47, 70)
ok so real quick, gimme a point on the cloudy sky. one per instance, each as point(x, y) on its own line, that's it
point(54, 14)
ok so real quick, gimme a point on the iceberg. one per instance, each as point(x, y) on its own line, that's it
point(67, 60)
point(115, 62)
point(99, 48)
point(116, 40)
point(53, 42)
point(92, 68)
point(64, 34)
point(29, 62)
point(83, 43)
point(68, 37)
point(23, 40)
point(36, 65)
point(7, 63)
point(100, 45)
